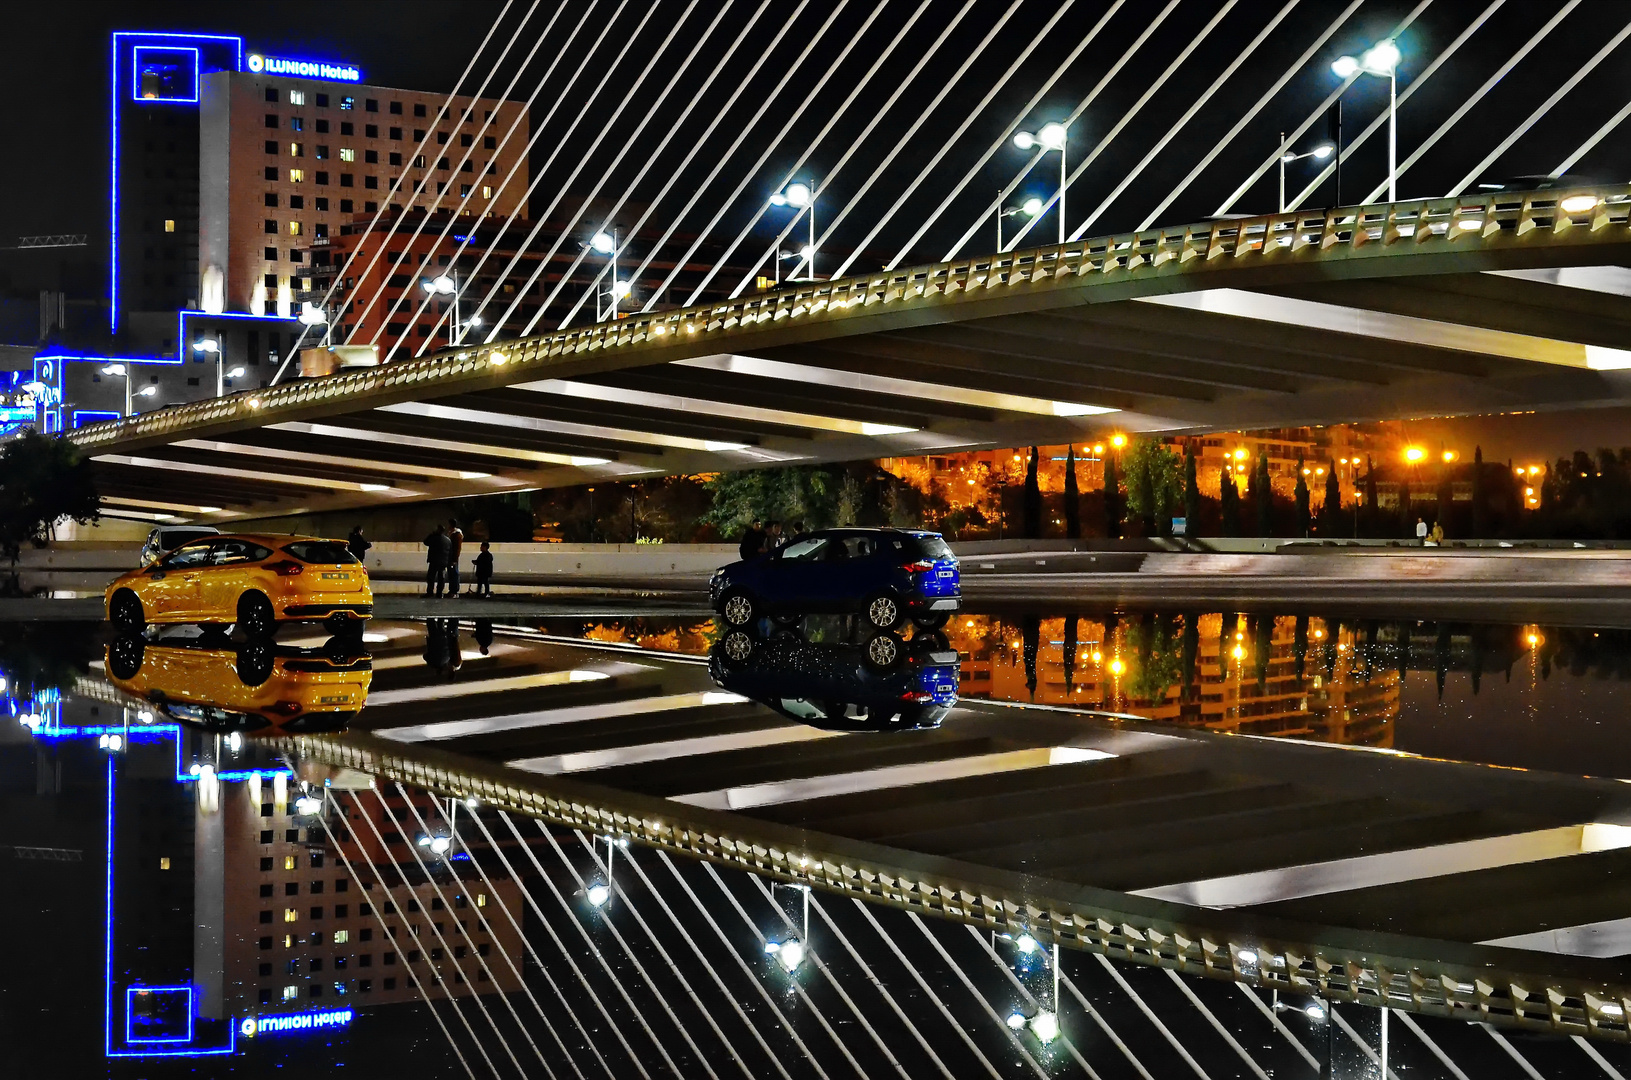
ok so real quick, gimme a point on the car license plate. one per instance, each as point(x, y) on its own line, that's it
point(338, 577)
point(945, 573)
point(334, 699)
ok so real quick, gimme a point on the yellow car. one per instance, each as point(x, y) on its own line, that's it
point(254, 581)
point(222, 686)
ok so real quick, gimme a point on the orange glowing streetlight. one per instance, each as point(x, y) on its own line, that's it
point(1449, 456)
point(1118, 440)
point(1414, 454)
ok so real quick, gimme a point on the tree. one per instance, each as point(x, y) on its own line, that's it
point(1302, 497)
point(1479, 511)
point(807, 493)
point(1229, 502)
point(1370, 485)
point(1444, 497)
point(1333, 501)
point(1192, 492)
point(1154, 483)
point(43, 479)
point(1263, 492)
point(1112, 497)
point(1033, 500)
point(1073, 498)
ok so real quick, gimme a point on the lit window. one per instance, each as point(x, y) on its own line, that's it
point(288, 941)
point(348, 103)
point(297, 176)
point(290, 915)
point(294, 228)
point(464, 190)
point(481, 900)
point(347, 154)
point(289, 862)
point(164, 862)
point(297, 97)
point(486, 191)
point(290, 993)
point(297, 149)
point(341, 937)
point(169, 224)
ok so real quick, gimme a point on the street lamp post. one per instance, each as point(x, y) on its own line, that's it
point(608, 245)
point(212, 347)
point(1029, 208)
point(1380, 59)
point(801, 196)
point(446, 285)
point(1051, 137)
point(1319, 153)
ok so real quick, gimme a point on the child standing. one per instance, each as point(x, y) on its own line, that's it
point(484, 571)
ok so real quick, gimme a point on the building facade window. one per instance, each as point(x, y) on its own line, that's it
point(297, 149)
point(296, 124)
point(297, 97)
point(347, 154)
point(271, 94)
point(169, 225)
point(486, 191)
point(321, 152)
point(271, 173)
point(294, 228)
point(297, 176)
point(396, 133)
point(371, 130)
point(322, 127)
point(271, 120)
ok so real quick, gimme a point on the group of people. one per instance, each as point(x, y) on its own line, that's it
point(442, 562)
point(762, 539)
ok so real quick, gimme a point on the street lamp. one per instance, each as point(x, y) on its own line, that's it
point(801, 196)
point(448, 285)
point(312, 315)
point(1029, 208)
point(1380, 59)
point(1051, 137)
point(1319, 153)
point(607, 245)
point(210, 346)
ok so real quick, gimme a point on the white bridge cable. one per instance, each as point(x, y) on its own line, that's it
point(1279, 1025)
point(560, 948)
point(1150, 1015)
point(662, 953)
point(435, 165)
point(1584, 148)
point(819, 186)
point(702, 142)
point(896, 145)
point(515, 924)
point(1172, 133)
point(1228, 137)
point(928, 992)
point(968, 985)
point(1002, 965)
point(464, 929)
point(798, 988)
point(730, 202)
point(625, 99)
point(436, 929)
point(1217, 1025)
point(770, 1003)
point(396, 186)
point(594, 950)
point(877, 984)
point(521, 115)
point(832, 980)
point(1381, 118)
point(1104, 1025)
point(1542, 109)
point(1082, 106)
point(413, 935)
point(384, 930)
point(1060, 11)
point(1478, 95)
point(674, 127)
point(1168, 70)
point(708, 966)
point(526, 151)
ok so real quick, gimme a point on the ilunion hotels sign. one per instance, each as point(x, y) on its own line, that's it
point(260, 63)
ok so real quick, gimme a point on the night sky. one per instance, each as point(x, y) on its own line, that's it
point(62, 53)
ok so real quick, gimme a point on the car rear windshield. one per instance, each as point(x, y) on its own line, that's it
point(326, 552)
point(933, 547)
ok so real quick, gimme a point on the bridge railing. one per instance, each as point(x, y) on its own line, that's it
point(1495, 218)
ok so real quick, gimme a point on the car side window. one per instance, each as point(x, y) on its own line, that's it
point(191, 555)
point(232, 552)
point(860, 547)
point(804, 551)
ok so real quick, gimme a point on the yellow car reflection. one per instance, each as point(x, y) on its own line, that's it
point(223, 686)
point(252, 580)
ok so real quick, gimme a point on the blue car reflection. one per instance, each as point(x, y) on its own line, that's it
point(837, 673)
point(885, 575)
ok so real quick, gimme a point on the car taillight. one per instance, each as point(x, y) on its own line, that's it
point(284, 708)
point(918, 567)
point(920, 698)
point(286, 568)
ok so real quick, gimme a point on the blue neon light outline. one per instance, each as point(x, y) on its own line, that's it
point(132, 990)
point(107, 1009)
point(135, 73)
point(113, 211)
point(181, 322)
point(92, 416)
point(94, 359)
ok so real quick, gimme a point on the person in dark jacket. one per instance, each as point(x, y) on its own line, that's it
point(436, 546)
point(484, 571)
point(753, 542)
point(455, 545)
point(356, 544)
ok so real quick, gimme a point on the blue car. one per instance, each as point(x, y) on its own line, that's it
point(887, 576)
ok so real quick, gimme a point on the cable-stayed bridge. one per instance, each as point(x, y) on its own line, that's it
point(1484, 303)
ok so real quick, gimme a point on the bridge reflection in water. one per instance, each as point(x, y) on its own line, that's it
point(508, 834)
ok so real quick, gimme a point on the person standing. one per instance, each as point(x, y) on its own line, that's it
point(484, 571)
point(356, 544)
point(753, 542)
point(435, 560)
point(455, 543)
point(1421, 531)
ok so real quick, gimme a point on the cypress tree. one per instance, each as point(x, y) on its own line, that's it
point(1333, 501)
point(1112, 497)
point(1229, 502)
point(1302, 497)
point(1479, 524)
point(1263, 491)
point(1033, 500)
point(1073, 516)
point(1192, 493)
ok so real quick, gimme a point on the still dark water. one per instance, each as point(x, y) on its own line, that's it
point(121, 877)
